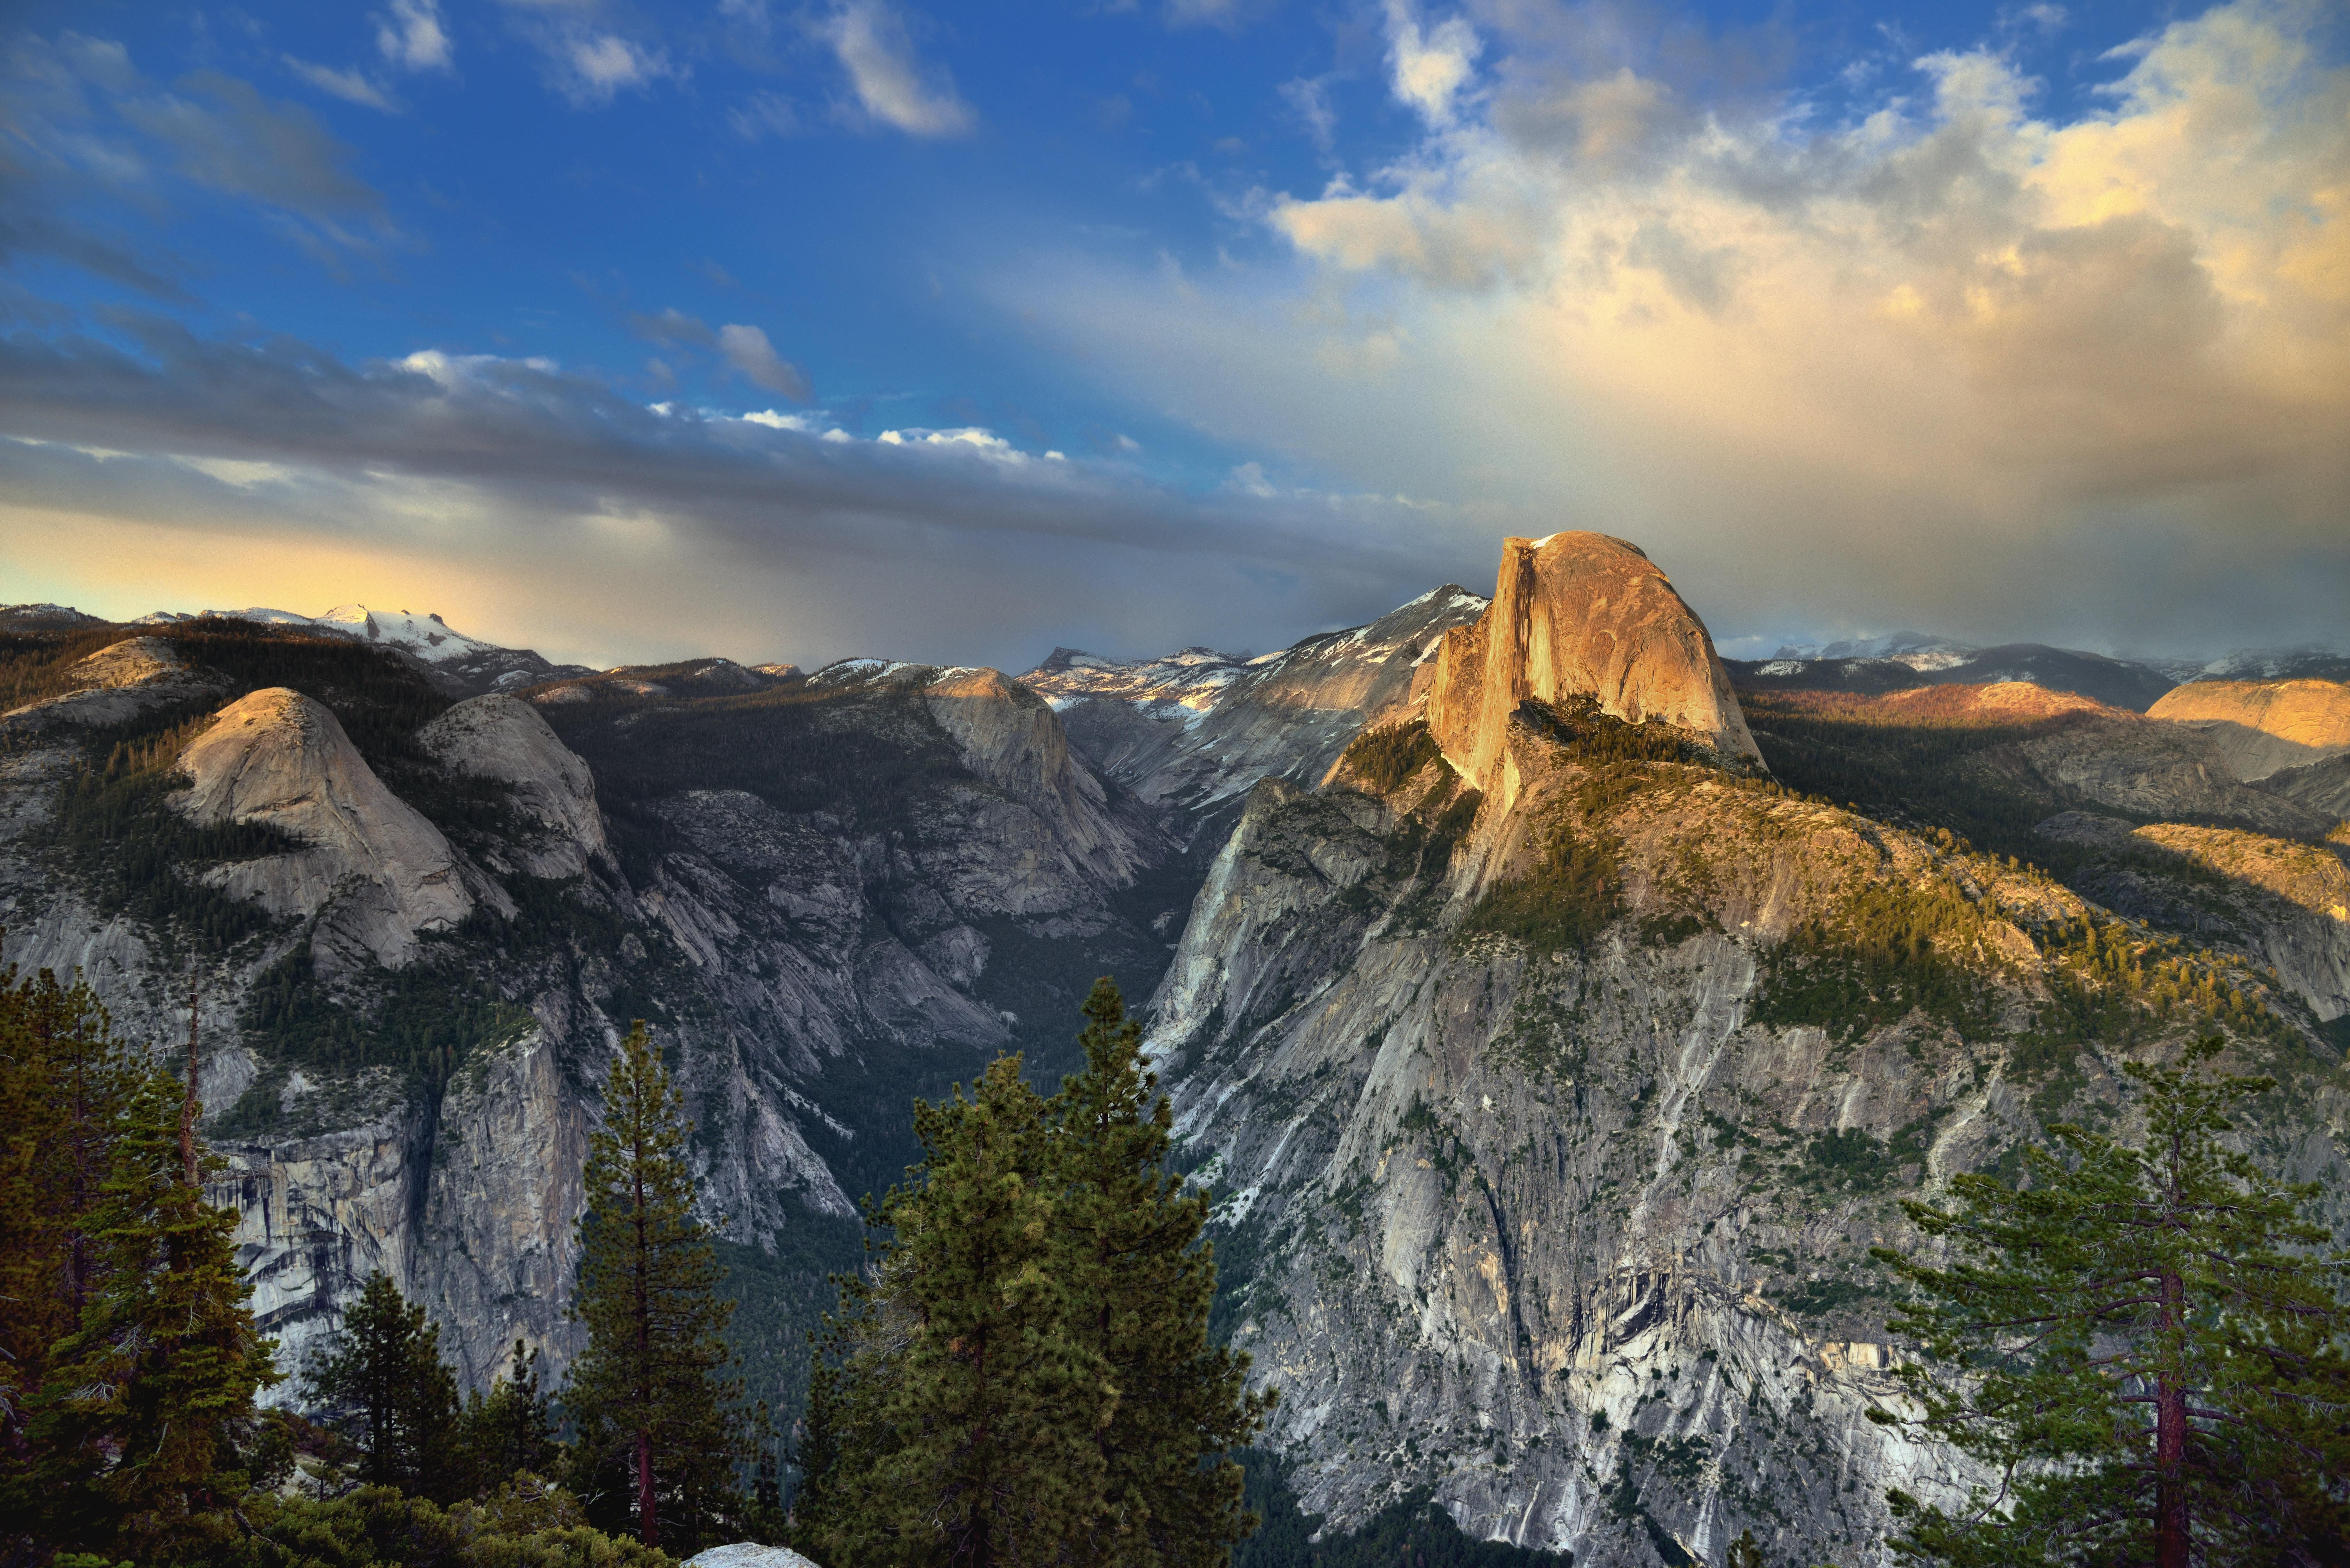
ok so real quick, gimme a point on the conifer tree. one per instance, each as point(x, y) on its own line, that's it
point(960, 1427)
point(2144, 1346)
point(65, 1084)
point(382, 1382)
point(512, 1430)
point(650, 1391)
point(1023, 1375)
point(147, 1399)
point(1127, 1251)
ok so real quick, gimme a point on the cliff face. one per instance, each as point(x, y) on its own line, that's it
point(1549, 1122)
point(1578, 614)
point(1552, 1189)
point(824, 897)
point(2261, 726)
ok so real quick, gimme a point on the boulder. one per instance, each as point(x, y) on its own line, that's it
point(744, 1555)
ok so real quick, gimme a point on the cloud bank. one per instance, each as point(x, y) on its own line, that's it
point(1939, 358)
point(549, 509)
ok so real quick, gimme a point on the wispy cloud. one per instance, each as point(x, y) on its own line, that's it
point(592, 67)
point(1431, 66)
point(577, 506)
point(412, 37)
point(351, 86)
point(747, 349)
point(892, 86)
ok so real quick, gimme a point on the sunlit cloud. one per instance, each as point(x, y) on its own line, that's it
point(1949, 357)
point(892, 86)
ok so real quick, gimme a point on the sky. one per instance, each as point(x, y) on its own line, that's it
point(631, 331)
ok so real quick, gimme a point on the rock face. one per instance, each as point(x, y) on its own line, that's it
point(2261, 726)
point(1579, 614)
point(1568, 1217)
point(2284, 903)
point(113, 686)
point(278, 759)
point(2157, 769)
point(503, 738)
point(1009, 736)
point(1191, 733)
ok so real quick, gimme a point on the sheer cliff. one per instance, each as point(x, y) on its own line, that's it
point(1550, 1121)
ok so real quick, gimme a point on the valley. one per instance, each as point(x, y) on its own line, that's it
point(1554, 1011)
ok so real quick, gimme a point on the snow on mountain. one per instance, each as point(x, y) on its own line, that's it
point(1918, 651)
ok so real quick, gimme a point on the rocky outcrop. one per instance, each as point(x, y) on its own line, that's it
point(2261, 726)
point(1011, 737)
point(1568, 1218)
point(2152, 768)
point(113, 686)
point(1579, 615)
point(503, 738)
point(375, 870)
point(1192, 733)
point(497, 1245)
point(2321, 788)
point(318, 1211)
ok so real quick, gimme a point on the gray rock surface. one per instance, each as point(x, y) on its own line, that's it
point(1191, 734)
point(503, 738)
point(280, 760)
point(744, 1555)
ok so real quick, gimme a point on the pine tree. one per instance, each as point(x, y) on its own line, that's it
point(1023, 1375)
point(148, 1399)
point(382, 1383)
point(513, 1430)
point(1127, 1252)
point(649, 1392)
point(2144, 1346)
point(65, 1083)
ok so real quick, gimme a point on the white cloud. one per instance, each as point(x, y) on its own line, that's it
point(1309, 98)
point(593, 67)
point(351, 86)
point(1429, 69)
point(892, 86)
point(412, 36)
point(1954, 361)
point(747, 349)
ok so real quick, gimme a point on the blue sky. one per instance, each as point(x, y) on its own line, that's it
point(1135, 325)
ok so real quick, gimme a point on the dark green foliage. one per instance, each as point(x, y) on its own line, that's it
point(1387, 759)
point(1881, 952)
point(526, 1523)
point(1573, 892)
point(2148, 1348)
point(1026, 1375)
point(512, 1430)
point(649, 1395)
point(1413, 1533)
point(956, 1426)
point(423, 1021)
point(379, 702)
point(1593, 736)
point(147, 1402)
point(380, 1382)
point(146, 858)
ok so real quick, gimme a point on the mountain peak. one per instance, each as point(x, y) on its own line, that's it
point(1579, 613)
